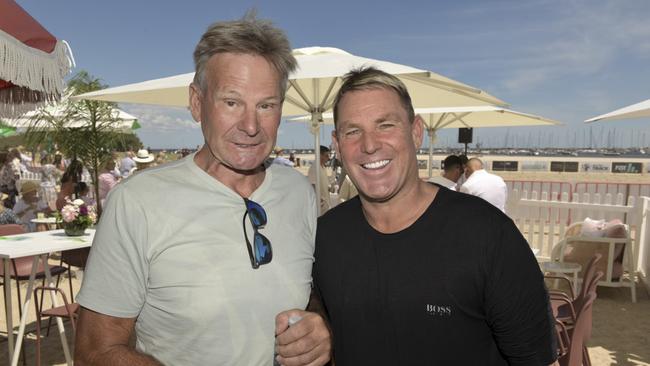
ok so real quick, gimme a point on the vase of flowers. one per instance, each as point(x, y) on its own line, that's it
point(76, 216)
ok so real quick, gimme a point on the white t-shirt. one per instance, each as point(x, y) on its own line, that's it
point(488, 186)
point(170, 250)
point(443, 182)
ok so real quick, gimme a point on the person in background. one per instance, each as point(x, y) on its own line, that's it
point(480, 183)
point(161, 158)
point(205, 259)
point(69, 180)
point(143, 160)
point(127, 164)
point(48, 181)
point(347, 190)
point(106, 180)
point(7, 215)
point(452, 171)
point(463, 177)
point(280, 159)
point(59, 162)
point(29, 205)
point(402, 282)
point(84, 194)
point(324, 178)
point(9, 177)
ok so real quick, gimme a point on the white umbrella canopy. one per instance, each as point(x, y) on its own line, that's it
point(319, 72)
point(638, 110)
point(312, 87)
point(463, 117)
point(38, 120)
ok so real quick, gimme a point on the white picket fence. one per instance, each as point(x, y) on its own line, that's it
point(543, 219)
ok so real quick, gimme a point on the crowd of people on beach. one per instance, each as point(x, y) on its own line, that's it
point(41, 184)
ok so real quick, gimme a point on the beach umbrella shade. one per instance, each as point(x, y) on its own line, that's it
point(40, 119)
point(32, 62)
point(639, 110)
point(312, 87)
point(463, 117)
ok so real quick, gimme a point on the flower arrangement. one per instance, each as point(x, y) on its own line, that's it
point(76, 216)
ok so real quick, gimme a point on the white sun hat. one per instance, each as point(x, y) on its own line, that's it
point(143, 156)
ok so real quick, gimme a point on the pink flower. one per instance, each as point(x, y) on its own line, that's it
point(69, 213)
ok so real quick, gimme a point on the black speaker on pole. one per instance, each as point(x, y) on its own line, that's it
point(465, 135)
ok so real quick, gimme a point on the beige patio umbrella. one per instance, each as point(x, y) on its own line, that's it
point(312, 87)
point(464, 117)
point(638, 110)
point(37, 119)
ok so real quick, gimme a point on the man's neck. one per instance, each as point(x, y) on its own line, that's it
point(243, 183)
point(401, 210)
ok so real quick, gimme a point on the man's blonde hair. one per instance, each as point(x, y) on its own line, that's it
point(248, 35)
point(368, 78)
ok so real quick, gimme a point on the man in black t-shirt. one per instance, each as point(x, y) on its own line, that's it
point(411, 273)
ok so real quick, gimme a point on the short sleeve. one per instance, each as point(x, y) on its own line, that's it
point(115, 278)
point(517, 305)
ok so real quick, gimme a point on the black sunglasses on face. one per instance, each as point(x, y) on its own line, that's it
point(260, 252)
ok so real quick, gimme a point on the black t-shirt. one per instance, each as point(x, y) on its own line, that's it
point(460, 286)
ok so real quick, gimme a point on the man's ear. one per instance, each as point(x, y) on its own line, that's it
point(417, 131)
point(195, 101)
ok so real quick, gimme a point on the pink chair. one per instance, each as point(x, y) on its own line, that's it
point(67, 310)
point(567, 312)
point(579, 335)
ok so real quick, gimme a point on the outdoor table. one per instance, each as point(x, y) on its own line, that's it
point(44, 223)
point(38, 244)
point(564, 268)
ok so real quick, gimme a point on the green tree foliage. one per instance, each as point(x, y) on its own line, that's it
point(86, 130)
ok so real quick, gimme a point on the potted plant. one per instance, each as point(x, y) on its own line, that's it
point(76, 216)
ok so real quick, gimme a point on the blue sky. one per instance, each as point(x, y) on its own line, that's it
point(563, 59)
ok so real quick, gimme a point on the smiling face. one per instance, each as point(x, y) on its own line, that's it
point(378, 143)
point(239, 111)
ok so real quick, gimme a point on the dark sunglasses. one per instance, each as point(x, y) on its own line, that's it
point(262, 252)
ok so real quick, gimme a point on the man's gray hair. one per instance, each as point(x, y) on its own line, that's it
point(368, 78)
point(248, 35)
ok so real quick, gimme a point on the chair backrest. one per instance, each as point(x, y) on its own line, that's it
point(11, 229)
point(580, 333)
point(588, 273)
point(14, 229)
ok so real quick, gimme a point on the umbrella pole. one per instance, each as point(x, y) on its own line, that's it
point(432, 137)
point(315, 130)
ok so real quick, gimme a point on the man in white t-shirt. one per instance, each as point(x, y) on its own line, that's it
point(324, 180)
point(205, 258)
point(452, 170)
point(488, 186)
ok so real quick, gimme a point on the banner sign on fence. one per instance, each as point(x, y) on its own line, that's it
point(564, 166)
point(505, 166)
point(633, 168)
point(595, 167)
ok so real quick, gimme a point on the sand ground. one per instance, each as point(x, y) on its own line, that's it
point(621, 331)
